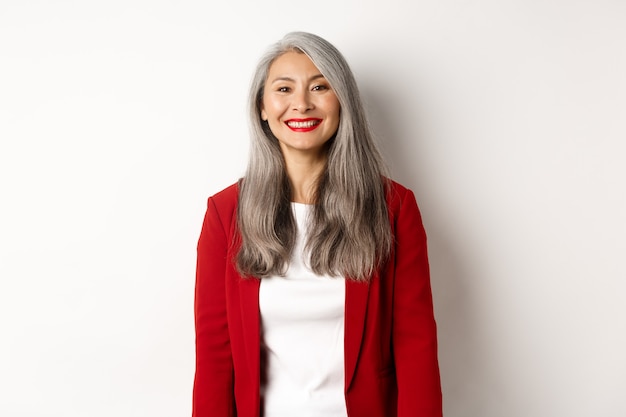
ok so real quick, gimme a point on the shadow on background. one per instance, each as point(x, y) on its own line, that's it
point(392, 114)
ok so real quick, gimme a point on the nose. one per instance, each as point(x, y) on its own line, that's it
point(302, 102)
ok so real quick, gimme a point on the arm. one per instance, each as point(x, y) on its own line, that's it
point(213, 384)
point(414, 329)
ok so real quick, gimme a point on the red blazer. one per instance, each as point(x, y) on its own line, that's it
point(390, 340)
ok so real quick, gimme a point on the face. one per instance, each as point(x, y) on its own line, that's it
point(300, 107)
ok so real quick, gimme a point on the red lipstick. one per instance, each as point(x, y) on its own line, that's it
point(303, 125)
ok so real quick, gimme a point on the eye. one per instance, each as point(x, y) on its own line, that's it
point(283, 89)
point(320, 87)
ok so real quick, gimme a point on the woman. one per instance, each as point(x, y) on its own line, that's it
point(312, 291)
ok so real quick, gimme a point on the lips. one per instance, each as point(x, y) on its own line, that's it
point(303, 125)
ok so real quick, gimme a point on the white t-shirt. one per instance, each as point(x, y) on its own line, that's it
point(302, 337)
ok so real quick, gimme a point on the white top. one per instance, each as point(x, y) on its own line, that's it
point(302, 333)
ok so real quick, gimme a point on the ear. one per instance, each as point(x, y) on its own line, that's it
point(263, 115)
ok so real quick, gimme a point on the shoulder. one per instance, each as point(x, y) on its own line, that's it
point(224, 203)
point(401, 204)
point(394, 187)
point(397, 195)
point(226, 197)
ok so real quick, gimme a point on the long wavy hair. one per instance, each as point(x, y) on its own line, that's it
point(349, 231)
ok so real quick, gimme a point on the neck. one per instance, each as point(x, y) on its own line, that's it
point(303, 174)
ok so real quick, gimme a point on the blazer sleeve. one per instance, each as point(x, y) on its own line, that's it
point(213, 384)
point(414, 330)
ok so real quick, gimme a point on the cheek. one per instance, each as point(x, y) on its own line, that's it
point(335, 110)
point(272, 107)
point(273, 120)
point(333, 106)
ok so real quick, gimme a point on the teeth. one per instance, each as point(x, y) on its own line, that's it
point(303, 125)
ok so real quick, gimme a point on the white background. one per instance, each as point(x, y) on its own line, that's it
point(119, 118)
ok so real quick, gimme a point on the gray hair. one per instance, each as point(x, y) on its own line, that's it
point(350, 233)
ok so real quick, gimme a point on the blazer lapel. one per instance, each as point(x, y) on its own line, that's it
point(250, 320)
point(357, 294)
point(355, 311)
point(249, 307)
point(250, 316)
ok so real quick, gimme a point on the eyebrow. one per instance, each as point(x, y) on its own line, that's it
point(315, 77)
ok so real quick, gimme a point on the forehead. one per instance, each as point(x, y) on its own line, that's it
point(292, 64)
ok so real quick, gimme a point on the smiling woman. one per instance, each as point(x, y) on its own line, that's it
point(312, 287)
point(301, 110)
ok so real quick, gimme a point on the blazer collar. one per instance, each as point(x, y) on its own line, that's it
point(355, 311)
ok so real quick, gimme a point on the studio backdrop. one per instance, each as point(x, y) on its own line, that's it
point(119, 118)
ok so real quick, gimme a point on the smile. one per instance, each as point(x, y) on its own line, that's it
point(303, 125)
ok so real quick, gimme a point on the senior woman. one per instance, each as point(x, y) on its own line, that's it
point(313, 294)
